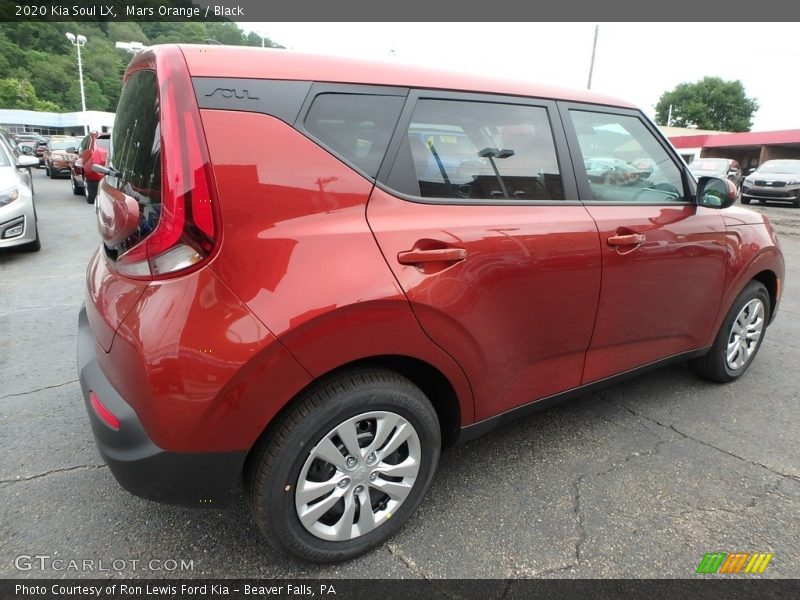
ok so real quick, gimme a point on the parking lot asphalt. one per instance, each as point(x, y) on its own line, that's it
point(639, 480)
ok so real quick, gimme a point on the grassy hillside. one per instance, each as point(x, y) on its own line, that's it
point(38, 64)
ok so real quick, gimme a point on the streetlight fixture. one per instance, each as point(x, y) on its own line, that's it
point(133, 47)
point(78, 41)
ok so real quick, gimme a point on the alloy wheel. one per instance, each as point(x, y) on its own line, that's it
point(745, 333)
point(358, 475)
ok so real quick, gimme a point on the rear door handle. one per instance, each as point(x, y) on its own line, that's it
point(632, 239)
point(415, 257)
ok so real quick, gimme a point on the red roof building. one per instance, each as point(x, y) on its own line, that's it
point(749, 148)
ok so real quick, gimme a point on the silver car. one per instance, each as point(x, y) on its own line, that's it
point(17, 213)
point(774, 180)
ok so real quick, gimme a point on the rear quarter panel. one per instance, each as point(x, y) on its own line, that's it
point(298, 251)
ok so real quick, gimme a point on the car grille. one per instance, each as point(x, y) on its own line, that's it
point(762, 182)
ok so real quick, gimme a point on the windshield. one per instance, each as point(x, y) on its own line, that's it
point(780, 166)
point(709, 165)
point(63, 144)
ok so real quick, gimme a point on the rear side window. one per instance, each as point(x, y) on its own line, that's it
point(356, 127)
point(104, 143)
point(135, 150)
point(481, 151)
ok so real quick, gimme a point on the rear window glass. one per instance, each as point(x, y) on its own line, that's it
point(136, 140)
point(135, 151)
point(356, 127)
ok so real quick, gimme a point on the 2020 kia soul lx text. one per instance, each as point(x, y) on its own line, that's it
point(316, 272)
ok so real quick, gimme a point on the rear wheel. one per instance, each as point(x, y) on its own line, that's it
point(346, 467)
point(739, 336)
point(90, 189)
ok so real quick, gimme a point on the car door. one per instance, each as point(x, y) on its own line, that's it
point(478, 218)
point(663, 257)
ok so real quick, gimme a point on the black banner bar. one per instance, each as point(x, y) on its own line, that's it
point(711, 588)
point(407, 10)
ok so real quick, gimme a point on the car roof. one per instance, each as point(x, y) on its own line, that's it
point(266, 63)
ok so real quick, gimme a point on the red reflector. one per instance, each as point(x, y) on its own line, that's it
point(106, 415)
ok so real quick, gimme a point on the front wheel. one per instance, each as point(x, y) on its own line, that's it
point(345, 468)
point(739, 337)
point(745, 200)
point(76, 189)
point(90, 188)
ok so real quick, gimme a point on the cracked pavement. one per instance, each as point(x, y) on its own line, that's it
point(638, 480)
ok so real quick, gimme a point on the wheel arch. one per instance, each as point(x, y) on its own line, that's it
point(433, 383)
point(770, 281)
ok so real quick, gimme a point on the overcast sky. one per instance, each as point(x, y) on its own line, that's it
point(635, 61)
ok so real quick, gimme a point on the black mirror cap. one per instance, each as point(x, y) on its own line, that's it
point(713, 192)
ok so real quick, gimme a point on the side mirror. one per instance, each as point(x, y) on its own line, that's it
point(713, 192)
point(751, 171)
point(72, 150)
point(27, 161)
point(26, 149)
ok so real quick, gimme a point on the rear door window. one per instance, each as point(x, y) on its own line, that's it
point(479, 151)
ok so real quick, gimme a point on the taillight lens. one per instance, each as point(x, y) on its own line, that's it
point(187, 229)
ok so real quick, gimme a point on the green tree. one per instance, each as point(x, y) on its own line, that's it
point(710, 103)
point(19, 94)
point(37, 58)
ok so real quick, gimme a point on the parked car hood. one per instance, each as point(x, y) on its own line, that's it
point(775, 176)
point(8, 178)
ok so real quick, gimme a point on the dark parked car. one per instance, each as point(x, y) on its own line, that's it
point(777, 180)
point(316, 320)
point(93, 150)
point(37, 142)
point(58, 154)
point(717, 167)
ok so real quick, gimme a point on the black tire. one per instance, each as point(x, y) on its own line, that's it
point(76, 189)
point(90, 189)
point(745, 200)
point(33, 246)
point(46, 170)
point(276, 463)
point(50, 173)
point(714, 365)
point(796, 203)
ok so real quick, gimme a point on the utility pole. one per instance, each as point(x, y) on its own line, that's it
point(594, 50)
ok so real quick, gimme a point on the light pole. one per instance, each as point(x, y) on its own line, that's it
point(78, 41)
point(133, 47)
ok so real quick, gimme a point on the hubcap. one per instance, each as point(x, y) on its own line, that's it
point(341, 499)
point(745, 333)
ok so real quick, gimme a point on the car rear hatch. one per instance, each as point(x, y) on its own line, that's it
point(156, 205)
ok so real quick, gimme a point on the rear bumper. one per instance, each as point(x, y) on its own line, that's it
point(138, 464)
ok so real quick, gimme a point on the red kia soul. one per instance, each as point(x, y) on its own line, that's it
point(317, 272)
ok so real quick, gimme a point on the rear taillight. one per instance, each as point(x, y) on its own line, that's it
point(187, 229)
